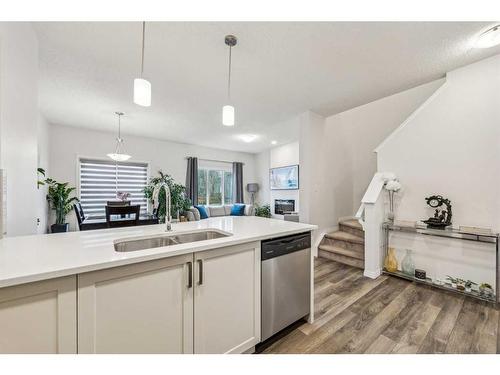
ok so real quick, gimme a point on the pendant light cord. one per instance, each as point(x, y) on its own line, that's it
point(229, 76)
point(119, 127)
point(143, 38)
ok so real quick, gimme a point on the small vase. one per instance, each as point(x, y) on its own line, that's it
point(407, 265)
point(390, 262)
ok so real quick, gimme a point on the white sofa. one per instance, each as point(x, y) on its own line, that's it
point(215, 211)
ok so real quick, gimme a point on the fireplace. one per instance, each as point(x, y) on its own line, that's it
point(283, 206)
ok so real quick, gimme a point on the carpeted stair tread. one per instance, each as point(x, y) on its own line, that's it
point(342, 251)
point(352, 223)
point(344, 236)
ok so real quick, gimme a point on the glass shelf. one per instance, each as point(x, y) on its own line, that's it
point(445, 286)
point(448, 233)
point(492, 238)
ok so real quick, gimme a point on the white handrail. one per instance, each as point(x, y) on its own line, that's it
point(360, 215)
point(372, 193)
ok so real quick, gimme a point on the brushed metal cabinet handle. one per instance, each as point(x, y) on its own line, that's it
point(190, 274)
point(200, 271)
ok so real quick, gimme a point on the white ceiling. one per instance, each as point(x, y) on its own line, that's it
point(279, 70)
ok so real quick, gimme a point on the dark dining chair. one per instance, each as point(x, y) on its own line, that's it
point(80, 216)
point(122, 211)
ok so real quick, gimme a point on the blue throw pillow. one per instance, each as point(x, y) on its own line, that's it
point(238, 210)
point(203, 212)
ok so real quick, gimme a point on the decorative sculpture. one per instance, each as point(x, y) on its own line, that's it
point(442, 217)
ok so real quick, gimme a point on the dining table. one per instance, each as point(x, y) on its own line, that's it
point(90, 223)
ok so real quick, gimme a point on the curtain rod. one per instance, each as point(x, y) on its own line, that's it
point(218, 161)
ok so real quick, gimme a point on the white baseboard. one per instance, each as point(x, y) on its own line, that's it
point(372, 274)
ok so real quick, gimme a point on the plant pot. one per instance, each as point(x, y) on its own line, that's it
point(59, 228)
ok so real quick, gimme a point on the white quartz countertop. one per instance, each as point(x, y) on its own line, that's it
point(38, 257)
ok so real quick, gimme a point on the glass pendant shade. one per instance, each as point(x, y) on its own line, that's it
point(228, 115)
point(142, 92)
point(117, 155)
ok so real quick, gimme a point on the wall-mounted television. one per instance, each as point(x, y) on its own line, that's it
point(284, 178)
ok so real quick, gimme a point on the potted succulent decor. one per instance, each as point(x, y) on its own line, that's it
point(263, 211)
point(452, 280)
point(486, 290)
point(461, 285)
point(468, 285)
point(178, 199)
point(60, 200)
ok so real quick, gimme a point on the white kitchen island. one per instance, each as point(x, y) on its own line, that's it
point(73, 293)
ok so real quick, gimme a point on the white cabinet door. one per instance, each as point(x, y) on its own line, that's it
point(141, 308)
point(227, 299)
point(39, 317)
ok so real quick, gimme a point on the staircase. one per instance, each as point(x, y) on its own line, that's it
point(347, 245)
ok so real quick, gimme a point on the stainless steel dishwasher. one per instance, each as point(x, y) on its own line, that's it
point(286, 282)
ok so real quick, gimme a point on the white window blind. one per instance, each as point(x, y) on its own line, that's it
point(100, 180)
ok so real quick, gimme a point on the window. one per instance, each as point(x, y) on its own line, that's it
point(215, 183)
point(100, 180)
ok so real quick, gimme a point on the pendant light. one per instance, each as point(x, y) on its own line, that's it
point(228, 109)
point(117, 155)
point(142, 87)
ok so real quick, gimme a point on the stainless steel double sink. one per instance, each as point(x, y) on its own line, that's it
point(167, 240)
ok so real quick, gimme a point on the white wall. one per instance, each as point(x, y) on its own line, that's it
point(18, 124)
point(451, 147)
point(363, 128)
point(283, 156)
point(336, 154)
point(43, 162)
point(279, 156)
point(67, 143)
point(262, 165)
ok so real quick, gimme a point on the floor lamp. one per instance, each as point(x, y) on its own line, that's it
point(253, 188)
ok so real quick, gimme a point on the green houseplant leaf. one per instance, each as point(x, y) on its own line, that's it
point(179, 201)
point(60, 199)
point(263, 211)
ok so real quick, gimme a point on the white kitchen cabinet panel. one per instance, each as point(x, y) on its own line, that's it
point(140, 308)
point(39, 317)
point(227, 299)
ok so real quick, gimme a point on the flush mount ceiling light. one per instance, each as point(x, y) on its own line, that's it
point(274, 142)
point(228, 109)
point(118, 155)
point(142, 87)
point(247, 138)
point(489, 38)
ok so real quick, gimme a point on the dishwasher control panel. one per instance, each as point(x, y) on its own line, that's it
point(284, 245)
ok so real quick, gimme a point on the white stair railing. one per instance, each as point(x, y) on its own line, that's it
point(371, 215)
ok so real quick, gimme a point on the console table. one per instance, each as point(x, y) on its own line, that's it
point(452, 233)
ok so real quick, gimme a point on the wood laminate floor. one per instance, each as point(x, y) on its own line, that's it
point(355, 314)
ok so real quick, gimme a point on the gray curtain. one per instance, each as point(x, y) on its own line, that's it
point(192, 180)
point(238, 182)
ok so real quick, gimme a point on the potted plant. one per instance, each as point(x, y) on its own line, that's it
point(60, 200)
point(486, 290)
point(468, 285)
point(263, 211)
point(460, 285)
point(178, 200)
